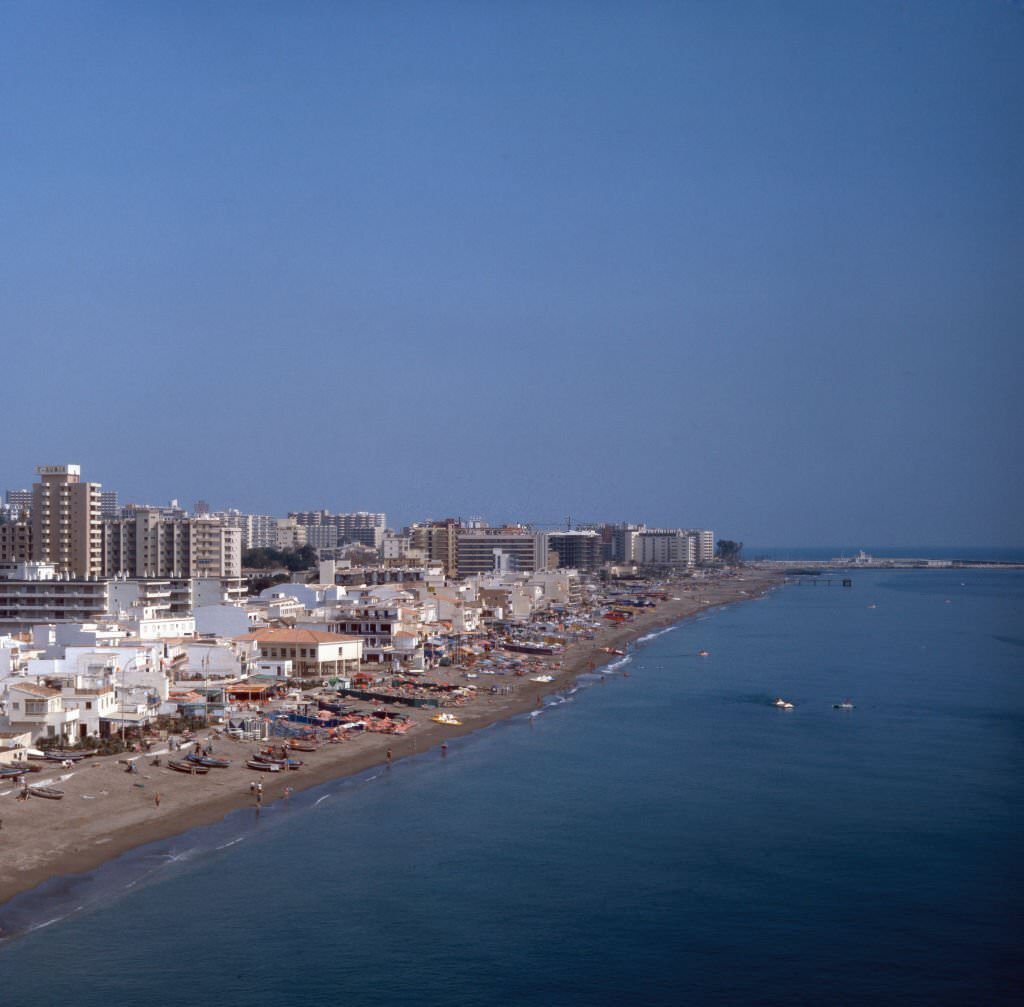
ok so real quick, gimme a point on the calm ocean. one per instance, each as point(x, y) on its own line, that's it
point(666, 837)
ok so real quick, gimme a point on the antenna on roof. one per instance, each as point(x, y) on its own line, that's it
point(568, 523)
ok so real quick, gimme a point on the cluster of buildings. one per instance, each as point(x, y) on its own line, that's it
point(112, 616)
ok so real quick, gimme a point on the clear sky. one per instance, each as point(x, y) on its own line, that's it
point(751, 266)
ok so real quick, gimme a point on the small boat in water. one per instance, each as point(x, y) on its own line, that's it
point(703, 653)
point(52, 793)
point(446, 718)
point(184, 766)
point(783, 704)
point(844, 705)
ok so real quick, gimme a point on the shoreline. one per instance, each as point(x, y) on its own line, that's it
point(42, 840)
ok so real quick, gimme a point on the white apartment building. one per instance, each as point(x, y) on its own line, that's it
point(290, 534)
point(259, 531)
point(673, 547)
point(485, 550)
point(365, 527)
point(32, 593)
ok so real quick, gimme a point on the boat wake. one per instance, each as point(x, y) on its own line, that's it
point(320, 800)
point(233, 842)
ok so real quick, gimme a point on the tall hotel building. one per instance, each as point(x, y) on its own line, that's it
point(66, 525)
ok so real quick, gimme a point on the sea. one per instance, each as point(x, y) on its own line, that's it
point(660, 834)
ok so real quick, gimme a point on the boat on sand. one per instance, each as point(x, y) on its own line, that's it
point(183, 766)
point(52, 793)
point(446, 718)
point(207, 760)
point(263, 767)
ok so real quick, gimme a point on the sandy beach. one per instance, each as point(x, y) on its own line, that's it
point(107, 811)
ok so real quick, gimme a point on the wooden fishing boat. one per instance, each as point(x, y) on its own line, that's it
point(263, 767)
point(52, 793)
point(207, 760)
point(302, 746)
point(183, 766)
point(280, 763)
point(56, 755)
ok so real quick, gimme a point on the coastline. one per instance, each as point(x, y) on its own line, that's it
point(107, 813)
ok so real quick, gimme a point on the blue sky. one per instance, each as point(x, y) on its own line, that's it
point(752, 266)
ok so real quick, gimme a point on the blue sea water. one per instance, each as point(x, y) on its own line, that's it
point(821, 554)
point(664, 835)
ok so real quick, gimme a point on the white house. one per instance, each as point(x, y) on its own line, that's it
point(40, 711)
point(223, 620)
point(14, 746)
point(313, 653)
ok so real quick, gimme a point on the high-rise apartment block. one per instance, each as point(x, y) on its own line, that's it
point(487, 550)
point(16, 540)
point(18, 501)
point(673, 547)
point(259, 531)
point(365, 527)
point(109, 507)
point(437, 541)
point(577, 550)
point(66, 524)
point(148, 544)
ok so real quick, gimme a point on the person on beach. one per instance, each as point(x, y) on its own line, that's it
point(444, 749)
point(156, 798)
point(389, 756)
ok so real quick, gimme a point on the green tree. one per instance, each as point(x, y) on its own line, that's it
point(729, 551)
point(269, 559)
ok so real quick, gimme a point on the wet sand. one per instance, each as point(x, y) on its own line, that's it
point(107, 811)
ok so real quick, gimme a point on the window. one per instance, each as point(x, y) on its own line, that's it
point(88, 705)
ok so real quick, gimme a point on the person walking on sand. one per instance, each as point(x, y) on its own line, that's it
point(156, 798)
point(389, 756)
